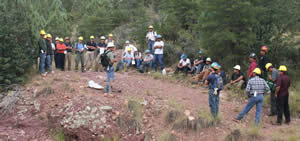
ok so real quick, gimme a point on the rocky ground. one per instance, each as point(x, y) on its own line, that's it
point(61, 106)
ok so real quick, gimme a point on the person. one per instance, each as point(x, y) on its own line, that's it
point(90, 54)
point(253, 64)
point(256, 88)
point(272, 84)
point(79, 51)
point(110, 69)
point(282, 95)
point(147, 61)
point(110, 40)
point(128, 57)
point(263, 61)
point(158, 53)
point(68, 58)
point(205, 71)
point(184, 64)
point(200, 62)
point(138, 58)
point(132, 47)
point(237, 79)
point(55, 51)
point(49, 53)
point(101, 47)
point(150, 38)
point(61, 48)
point(215, 85)
point(42, 52)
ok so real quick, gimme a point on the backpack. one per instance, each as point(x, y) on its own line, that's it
point(105, 61)
point(218, 82)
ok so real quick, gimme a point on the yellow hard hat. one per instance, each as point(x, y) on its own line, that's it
point(257, 71)
point(45, 36)
point(110, 35)
point(80, 38)
point(151, 27)
point(92, 37)
point(49, 36)
point(268, 65)
point(128, 49)
point(42, 32)
point(282, 68)
point(61, 39)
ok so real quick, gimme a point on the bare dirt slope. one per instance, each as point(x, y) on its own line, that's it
point(63, 102)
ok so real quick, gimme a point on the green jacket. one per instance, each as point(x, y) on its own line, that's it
point(42, 45)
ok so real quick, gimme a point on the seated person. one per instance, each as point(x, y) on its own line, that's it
point(237, 79)
point(147, 62)
point(205, 71)
point(199, 63)
point(184, 64)
point(138, 58)
point(127, 58)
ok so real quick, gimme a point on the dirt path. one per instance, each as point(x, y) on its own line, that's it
point(71, 86)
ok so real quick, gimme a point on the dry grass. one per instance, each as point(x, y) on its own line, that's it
point(166, 136)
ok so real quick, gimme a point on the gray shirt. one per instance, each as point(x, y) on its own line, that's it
point(275, 74)
point(147, 57)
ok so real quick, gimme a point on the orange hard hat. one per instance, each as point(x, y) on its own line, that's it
point(264, 48)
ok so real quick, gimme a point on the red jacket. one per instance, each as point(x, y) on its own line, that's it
point(253, 65)
point(60, 48)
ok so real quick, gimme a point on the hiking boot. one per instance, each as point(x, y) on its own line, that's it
point(272, 114)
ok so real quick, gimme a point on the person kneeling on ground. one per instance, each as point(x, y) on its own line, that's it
point(237, 78)
point(147, 62)
point(205, 72)
point(199, 63)
point(138, 58)
point(184, 64)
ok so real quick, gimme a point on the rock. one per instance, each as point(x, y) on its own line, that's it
point(105, 95)
point(45, 92)
point(117, 113)
point(94, 85)
point(106, 108)
point(191, 118)
point(187, 112)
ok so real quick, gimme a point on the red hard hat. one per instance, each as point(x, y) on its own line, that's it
point(264, 48)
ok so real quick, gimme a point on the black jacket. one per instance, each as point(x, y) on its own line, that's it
point(49, 47)
point(263, 61)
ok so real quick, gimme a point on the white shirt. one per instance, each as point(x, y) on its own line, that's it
point(159, 50)
point(133, 49)
point(151, 35)
point(187, 61)
point(53, 46)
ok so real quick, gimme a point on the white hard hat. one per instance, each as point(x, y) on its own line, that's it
point(127, 42)
point(57, 39)
point(237, 67)
point(208, 59)
point(102, 38)
point(110, 44)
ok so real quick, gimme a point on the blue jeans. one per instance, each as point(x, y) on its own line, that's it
point(146, 65)
point(199, 68)
point(150, 45)
point(137, 63)
point(110, 76)
point(158, 58)
point(42, 62)
point(127, 61)
point(214, 101)
point(258, 101)
point(49, 62)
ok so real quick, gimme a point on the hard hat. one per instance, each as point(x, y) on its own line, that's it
point(208, 59)
point(57, 39)
point(150, 27)
point(49, 36)
point(42, 32)
point(61, 39)
point(237, 67)
point(110, 35)
point(110, 44)
point(268, 65)
point(282, 68)
point(252, 55)
point(127, 42)
point(92, 37)
point(257, 71)
point(159, 36)
point(148, 51)
point(183, 56)
point(45, 36)
point(200, 51)
point(129, 49)
point(80, 38)
point(215, 65)
point(102, 38)
point(264, 48)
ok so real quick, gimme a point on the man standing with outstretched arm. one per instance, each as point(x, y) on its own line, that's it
point(110, 68)
point(256, 88)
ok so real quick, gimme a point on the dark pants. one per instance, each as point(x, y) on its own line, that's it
point(273, 103)
point(60, 58)
point(283, 107)
point(184, 69)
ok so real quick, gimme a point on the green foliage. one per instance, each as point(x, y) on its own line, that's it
point(59, 135)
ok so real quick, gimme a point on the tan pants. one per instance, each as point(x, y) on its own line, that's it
point(89, 59)
point(98, 65)
point(68, 60)
point(236, 85)
point(202, 76)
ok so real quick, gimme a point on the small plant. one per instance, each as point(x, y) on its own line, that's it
point(294, 102)
point(266, 103)
point(254, 131)
point(59, 135)
point(166, 136)
point(114, 138)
